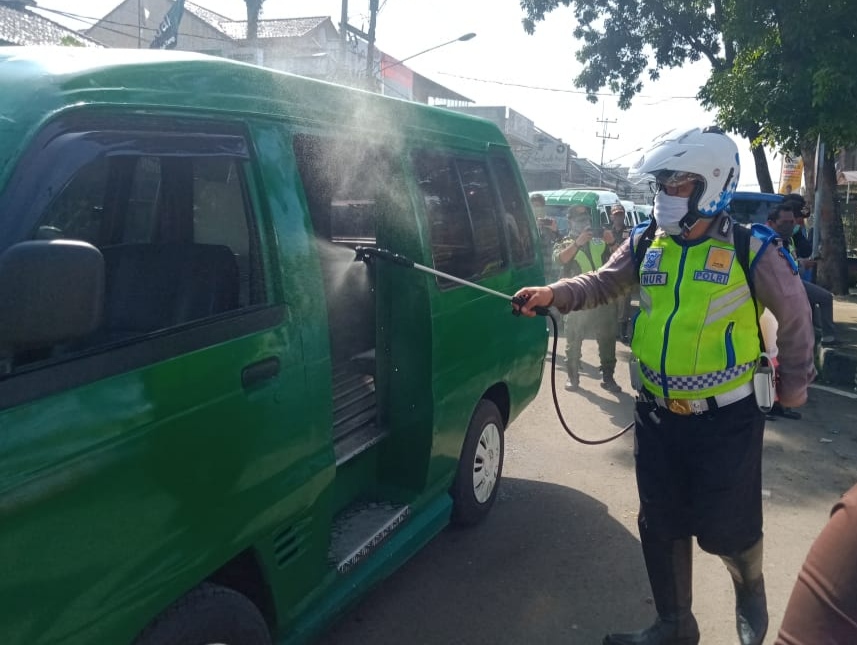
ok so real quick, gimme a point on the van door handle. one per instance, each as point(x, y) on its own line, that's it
point(264, 370)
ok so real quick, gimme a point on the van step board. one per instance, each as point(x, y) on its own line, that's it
point(355, 414)
point(360, 529)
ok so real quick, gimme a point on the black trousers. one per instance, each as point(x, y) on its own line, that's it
point(701, 475)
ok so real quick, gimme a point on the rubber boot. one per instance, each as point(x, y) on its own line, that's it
point(751, 607)
point(670, 568)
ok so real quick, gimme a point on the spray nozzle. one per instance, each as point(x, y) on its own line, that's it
point(366, 253)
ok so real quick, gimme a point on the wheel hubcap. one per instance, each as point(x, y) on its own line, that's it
point(486, 463)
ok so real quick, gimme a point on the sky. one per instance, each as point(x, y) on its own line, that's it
point(502, 65)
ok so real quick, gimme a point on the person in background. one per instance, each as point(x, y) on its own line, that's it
point(802, 237)
point(548, 234)
point(822, 608)
point(579, 253)
point(698, 426)
point(781, 218)
point(623, 307)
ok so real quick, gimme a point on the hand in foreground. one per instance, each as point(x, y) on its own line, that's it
point(532, 297)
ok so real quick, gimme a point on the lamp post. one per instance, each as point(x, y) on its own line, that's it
point(448, 42)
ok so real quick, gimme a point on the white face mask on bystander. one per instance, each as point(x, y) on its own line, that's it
point(668, 211)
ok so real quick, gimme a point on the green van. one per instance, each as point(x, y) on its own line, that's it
point(216, 426)
point(557, 203)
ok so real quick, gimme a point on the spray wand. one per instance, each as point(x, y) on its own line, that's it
point(366, 253)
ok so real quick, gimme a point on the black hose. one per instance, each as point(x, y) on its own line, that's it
point(569, 431)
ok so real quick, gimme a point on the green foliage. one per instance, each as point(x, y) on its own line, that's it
point(70, 41)
point(780, 69)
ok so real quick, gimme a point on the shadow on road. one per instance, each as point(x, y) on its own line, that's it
point(548, 566)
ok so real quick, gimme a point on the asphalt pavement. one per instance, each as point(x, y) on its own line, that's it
point(558, 560)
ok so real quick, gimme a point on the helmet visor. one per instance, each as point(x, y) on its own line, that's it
point(674, 178)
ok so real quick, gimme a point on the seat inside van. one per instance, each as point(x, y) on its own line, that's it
point(156, 286)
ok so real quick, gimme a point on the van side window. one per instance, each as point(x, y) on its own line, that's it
point(174, 227)
point(462, 215)
point(518, 229)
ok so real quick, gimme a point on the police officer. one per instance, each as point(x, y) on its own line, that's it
point(578, 253)
point(698, 427)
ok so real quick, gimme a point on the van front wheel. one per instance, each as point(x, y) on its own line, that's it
point(207, 615)
point(480, 466)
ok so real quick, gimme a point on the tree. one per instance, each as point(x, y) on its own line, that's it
point(624, 39)
point(780, 75)
point(254, 8)
point(793, 77)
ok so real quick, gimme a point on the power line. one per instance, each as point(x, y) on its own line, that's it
point(559, 89)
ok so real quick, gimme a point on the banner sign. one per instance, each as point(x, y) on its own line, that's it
point(167, 35)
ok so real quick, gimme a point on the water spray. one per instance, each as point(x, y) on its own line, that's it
point(366, 253)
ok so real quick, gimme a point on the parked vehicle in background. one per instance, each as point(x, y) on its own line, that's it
point(635, 213)
point(642, 213)
point(557, 203)
point(217, 426)
point(752, 207)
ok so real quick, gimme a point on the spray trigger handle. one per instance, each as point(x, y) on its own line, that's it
point(522, 300)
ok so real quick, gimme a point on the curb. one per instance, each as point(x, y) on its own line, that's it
point(837, 367)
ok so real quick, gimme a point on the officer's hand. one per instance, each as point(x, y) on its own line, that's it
point(608, 237)
point(584, 237)
point(532, 297)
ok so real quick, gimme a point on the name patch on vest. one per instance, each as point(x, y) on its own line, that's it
point(711, 276)
point(652, 279)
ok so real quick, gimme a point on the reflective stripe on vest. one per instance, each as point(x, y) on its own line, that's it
point(696, 335)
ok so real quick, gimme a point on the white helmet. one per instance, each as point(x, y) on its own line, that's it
point(707, 152)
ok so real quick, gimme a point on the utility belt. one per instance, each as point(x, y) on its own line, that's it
point(685, 407)
point(762, 386)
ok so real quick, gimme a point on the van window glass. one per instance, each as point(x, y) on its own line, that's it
point(175, 234)
point(462, 214)
point(517, 222)
point(344, 182)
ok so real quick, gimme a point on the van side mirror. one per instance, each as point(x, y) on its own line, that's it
point(50, 291)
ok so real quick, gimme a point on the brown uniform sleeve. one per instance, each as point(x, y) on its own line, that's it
point(781, 291)
point(596, 288)
point(823, 606)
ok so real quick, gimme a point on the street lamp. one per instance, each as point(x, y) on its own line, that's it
point(449, 42)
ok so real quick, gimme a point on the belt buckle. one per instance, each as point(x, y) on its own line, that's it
point(680, 406)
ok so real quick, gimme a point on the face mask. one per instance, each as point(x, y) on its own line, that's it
point(796, 229)
point(669, 211)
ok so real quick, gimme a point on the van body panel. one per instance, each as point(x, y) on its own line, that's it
point(141, 462)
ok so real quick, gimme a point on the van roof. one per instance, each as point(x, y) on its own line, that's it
point(38, 83)
point(568, 196)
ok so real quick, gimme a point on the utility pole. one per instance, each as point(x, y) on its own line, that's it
point(603, 136)
point(370, 48)
point(343, 41)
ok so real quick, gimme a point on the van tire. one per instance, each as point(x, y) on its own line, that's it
point(479, 467)
point(208, 614)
